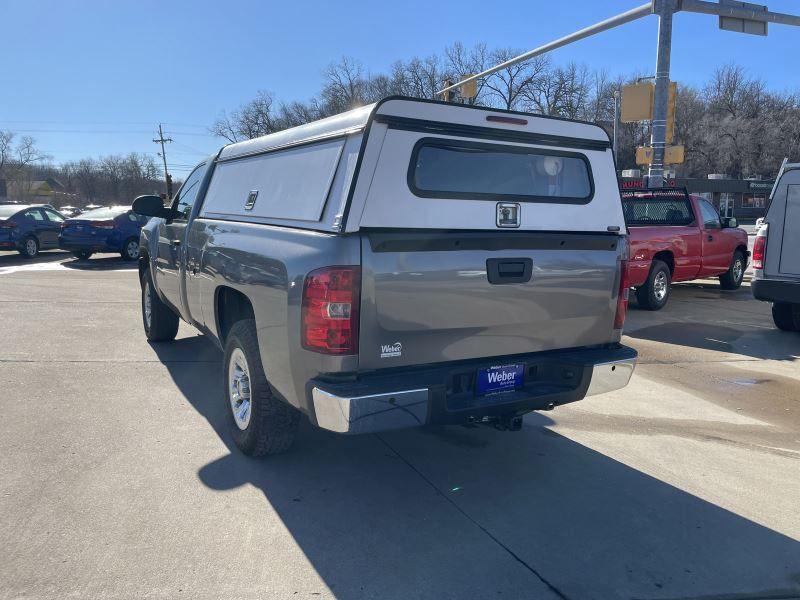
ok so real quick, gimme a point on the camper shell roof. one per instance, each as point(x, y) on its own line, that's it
point(432, 115)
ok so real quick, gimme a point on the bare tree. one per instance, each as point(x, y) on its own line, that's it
point(461, 62)
point(734, 124)
point(344, 85)
point(509, 86)
point(420, 77)
point(6, 149)
point(252, 119)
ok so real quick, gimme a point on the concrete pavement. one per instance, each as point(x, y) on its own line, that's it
point(119, 479)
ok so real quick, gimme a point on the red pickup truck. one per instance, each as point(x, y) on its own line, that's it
point(678, 237)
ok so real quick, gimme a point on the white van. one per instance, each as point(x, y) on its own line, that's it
point(776, 253)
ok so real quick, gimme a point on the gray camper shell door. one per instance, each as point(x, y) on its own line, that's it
point(430, 297)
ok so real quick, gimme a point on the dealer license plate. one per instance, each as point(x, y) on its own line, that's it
point(504, 378)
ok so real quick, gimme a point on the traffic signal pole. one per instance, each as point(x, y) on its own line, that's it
point(658, 131)
point(626, 17)
point(748, 13)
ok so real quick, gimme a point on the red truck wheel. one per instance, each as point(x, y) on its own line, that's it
point(732, 278)
point(653, 295)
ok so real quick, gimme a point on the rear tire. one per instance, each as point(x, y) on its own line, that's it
point(732, 278)
point(786, 316)
point(30, 247)
point(260, 423)
point(82, 254)
point(130, 250)
point(653, 295)
point(160, 323)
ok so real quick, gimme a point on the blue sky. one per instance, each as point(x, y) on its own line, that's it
point(92, 77)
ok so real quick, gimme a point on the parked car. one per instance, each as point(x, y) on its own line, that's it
point(408, 262)
point(69, 211)
point(776, 251)
point(677, 237)
point(29, 229)
point(111, 229)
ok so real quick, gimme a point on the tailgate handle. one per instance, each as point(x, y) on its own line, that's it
point(509, 270)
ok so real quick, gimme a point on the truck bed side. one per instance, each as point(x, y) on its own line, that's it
point(267, 265)
point(678, 246)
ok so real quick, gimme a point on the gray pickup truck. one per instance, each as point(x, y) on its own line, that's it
point(406, 263)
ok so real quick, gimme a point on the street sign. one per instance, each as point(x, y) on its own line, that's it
point(673, 155)
point(743, 25)
point(637, 102)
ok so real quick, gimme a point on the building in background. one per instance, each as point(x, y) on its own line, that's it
point(745, 199)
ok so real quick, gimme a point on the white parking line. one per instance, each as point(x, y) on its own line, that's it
point(45, 266)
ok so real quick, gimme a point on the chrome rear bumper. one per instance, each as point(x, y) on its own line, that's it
point(610, 376)
point(372, 412)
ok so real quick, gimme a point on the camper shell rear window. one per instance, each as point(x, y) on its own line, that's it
point(442, 168)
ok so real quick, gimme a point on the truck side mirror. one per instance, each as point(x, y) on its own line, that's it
point(153, 206)
point(730, 223)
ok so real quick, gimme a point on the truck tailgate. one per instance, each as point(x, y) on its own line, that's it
point(434, 296)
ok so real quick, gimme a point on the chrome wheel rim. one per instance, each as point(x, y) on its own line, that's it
point(660, 286)
point(738, 270)
point(30, 247)
point(133, 249)
point(148, 304)
point(239, 388)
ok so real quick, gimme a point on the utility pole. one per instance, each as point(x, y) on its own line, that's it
point(167, 179)
point(658, 132)
point(616, 124)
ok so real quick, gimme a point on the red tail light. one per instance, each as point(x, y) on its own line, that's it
point(759, 251)
point(102, 224)
point(624, 290)
point(331, 299)
point(7, 225)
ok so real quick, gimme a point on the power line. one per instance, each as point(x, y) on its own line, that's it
point(110, 132)
point(100, 123)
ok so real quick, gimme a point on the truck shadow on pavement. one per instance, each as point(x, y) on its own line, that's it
point(770, 344)
point(704, 317)
point(468, 513)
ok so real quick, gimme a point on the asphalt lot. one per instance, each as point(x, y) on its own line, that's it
point(118, 479)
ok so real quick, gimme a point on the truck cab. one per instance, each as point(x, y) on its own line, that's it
point(407, 263)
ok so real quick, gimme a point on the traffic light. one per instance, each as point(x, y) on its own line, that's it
point(449, 95)
point(468, 90)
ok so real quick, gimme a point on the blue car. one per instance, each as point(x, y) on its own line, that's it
point(29, 229)
point(108, 229)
